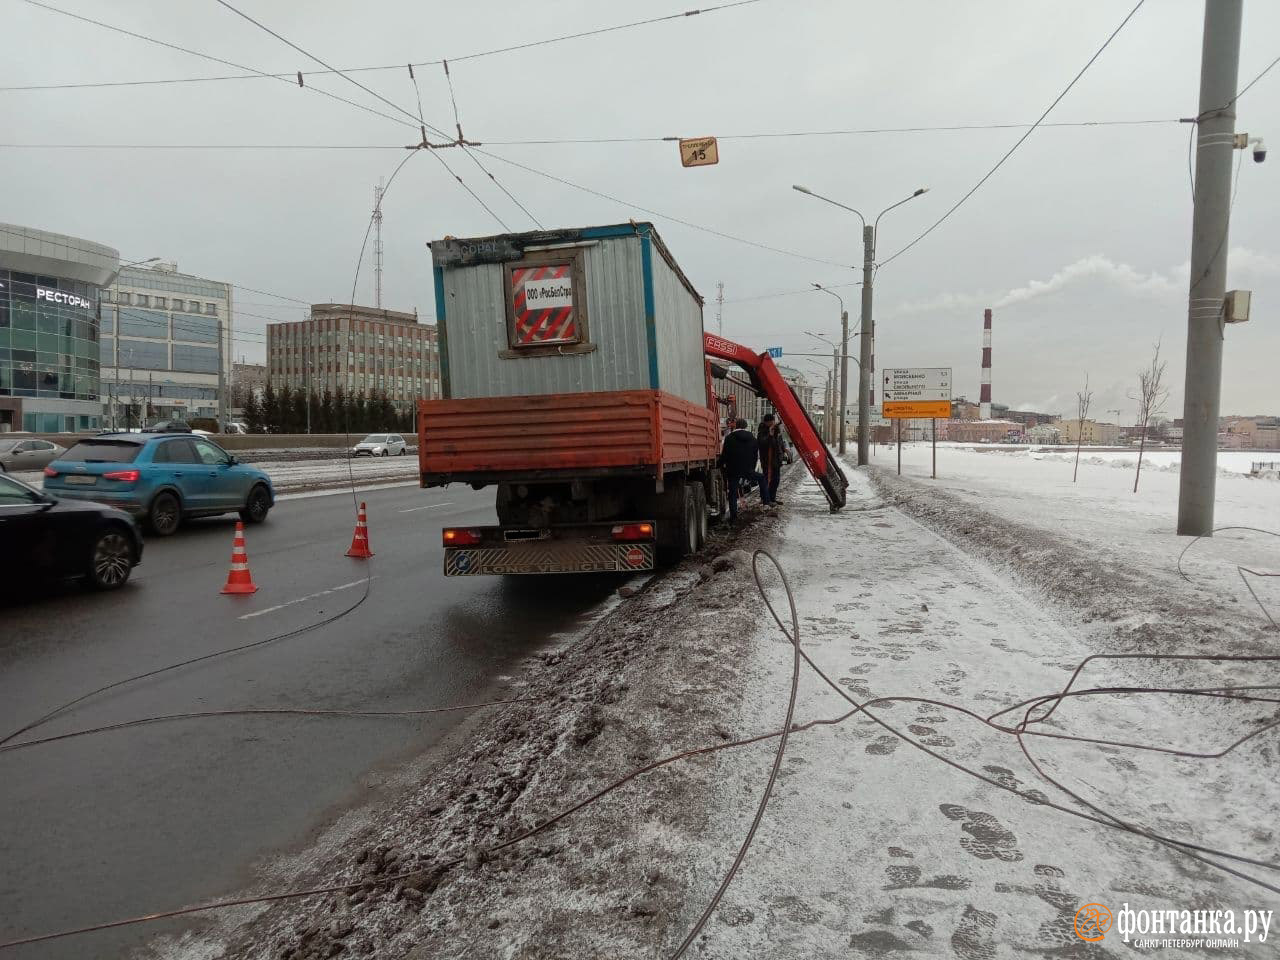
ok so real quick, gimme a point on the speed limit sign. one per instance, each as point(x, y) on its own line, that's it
point(699, 152)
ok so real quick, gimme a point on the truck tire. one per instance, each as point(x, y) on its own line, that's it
point(719, 499)
point(700, 511)
point(678, 524)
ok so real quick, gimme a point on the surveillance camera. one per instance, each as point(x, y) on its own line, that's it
point(1259, 150)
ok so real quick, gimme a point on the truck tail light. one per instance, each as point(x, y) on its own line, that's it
point(633, 531)
point(50, 472)
point(459, 538)
point(124, 476)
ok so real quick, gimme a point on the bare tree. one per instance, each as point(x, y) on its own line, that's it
point(1152, 394)
point(1083, 399)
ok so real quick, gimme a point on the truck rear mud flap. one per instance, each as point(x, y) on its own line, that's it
point(590, 548)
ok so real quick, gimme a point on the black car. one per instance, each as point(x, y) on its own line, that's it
point(168, 426)
point(44, 538)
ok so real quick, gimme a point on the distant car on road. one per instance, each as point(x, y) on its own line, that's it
point(168, 426)
point(162, 478)
point(47, 538)
point(381, 445)
point(19, 453)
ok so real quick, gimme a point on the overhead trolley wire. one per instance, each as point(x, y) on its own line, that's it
point(850, 132)
point(290, 76)
point(579, 141)
point(312, 56)
point(206, 56)
point(656, 213)
point(1021, 140)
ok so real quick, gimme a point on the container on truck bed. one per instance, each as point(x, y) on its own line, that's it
point(574, 381)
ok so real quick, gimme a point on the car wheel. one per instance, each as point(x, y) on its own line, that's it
point(165, 515)
point(386, 453)
point(403, 451)
point(111, 561)
point(257, 506)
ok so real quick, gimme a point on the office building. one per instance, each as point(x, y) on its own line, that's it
point(160, 351)
point(360, 349)
point(50, 288)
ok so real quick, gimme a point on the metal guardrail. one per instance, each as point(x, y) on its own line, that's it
point(1257, 467)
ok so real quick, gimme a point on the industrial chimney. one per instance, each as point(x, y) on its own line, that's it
point(984, 398)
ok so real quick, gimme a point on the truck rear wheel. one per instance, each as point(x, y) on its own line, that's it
point(678, 524)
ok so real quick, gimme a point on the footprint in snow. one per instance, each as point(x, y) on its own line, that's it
point(987, 838)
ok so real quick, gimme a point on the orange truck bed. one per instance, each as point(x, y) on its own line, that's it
point(648, 432)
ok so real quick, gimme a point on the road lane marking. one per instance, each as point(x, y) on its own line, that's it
point(345, 488)
point(311, 596)
point(429, 506)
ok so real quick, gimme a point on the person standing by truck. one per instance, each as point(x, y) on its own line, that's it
point(770, 446)
point(738, 459)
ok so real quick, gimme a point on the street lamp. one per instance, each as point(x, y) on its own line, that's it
point(868, 269)
point(844, 362)
point(831, 432)
point(828, 398)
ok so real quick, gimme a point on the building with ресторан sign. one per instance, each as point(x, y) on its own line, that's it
point(363, 350)
point(49, 329)
point(160, 351)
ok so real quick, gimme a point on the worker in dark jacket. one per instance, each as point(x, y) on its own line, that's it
point(738, 459)
point(770, 444)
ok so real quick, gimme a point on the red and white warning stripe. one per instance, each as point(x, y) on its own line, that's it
point(541, 325)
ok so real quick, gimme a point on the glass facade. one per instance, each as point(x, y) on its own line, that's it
point(190, 359)
point(48, 338)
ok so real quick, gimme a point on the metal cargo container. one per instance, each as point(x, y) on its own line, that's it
point(566, 311)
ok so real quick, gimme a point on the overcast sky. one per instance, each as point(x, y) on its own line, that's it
point(1079, 242)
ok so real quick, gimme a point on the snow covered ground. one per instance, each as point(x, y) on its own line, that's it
point(869, 846)
point(1100, 513)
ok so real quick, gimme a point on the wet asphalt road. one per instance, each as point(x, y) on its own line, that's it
point(157, 817)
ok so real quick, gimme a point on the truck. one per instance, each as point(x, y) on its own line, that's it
point(576, 382)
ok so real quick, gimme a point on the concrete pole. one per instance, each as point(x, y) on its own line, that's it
point(1219, 69)
point(844, 377)
point(864, 369)
point(222, 381)
point(828, 410)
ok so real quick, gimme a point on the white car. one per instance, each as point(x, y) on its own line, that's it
point(381, 445)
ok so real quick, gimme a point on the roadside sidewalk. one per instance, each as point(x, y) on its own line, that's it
point(870, 847)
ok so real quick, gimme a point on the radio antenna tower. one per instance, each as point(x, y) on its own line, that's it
point(377, 244)
point(719, 307)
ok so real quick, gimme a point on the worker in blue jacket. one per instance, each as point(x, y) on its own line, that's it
point(738, 460)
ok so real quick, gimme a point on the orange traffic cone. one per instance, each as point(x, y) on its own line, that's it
point(239, 580)
point(360, 539)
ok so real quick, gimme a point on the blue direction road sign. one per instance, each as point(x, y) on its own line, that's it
point(775, 352)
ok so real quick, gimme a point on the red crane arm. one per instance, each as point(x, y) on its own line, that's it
point(768, 383)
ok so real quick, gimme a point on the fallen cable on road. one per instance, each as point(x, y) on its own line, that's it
point(256, 712)
point(40, 721)
point(1100, 818)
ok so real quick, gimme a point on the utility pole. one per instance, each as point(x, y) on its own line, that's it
point(222, 381)
point(829, 408)
point(719, 308)
point(1215, 141)
point(844, 379)
point(864, 366)
point(377, 246)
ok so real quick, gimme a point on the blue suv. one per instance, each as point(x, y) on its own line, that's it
point(161, 478)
